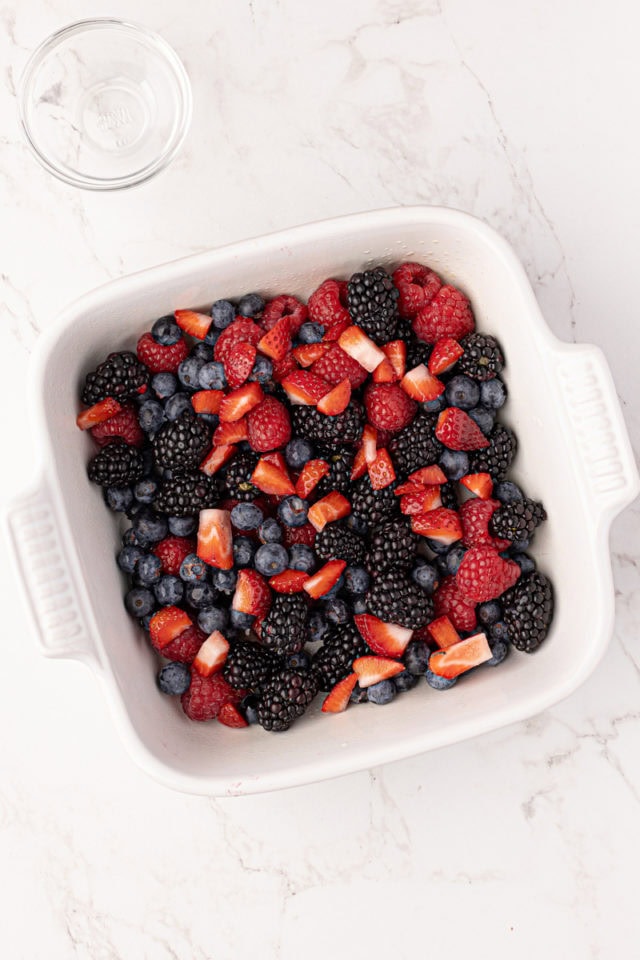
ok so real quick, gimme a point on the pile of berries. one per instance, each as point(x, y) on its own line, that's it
point(317, 497)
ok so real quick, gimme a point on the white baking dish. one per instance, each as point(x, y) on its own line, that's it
point(574, 455)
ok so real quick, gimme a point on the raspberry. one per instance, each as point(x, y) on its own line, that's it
point(475, 516)
point(172, 551)
point(285, 306)
point(328, 304)
point(207, 695)
point(388, 407)
point(449, 602)
point(123, 424)
point(161, 359)
point(185, 646)
point(448, 315)
point(242, 330)
point(305, 534)
point(269, 425)
point(336, 366)
point(282, 368)
point(483, 574)
point(417, 285)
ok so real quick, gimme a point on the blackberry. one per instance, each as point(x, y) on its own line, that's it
point(373, 506)
point(417, 350)
point(116, 465)
point(182, 443)
point(482, 358)
point(448, 495)
point(339, 476)
point(372, 300)
point(284, 629)
point(498, 456)
point(285, 697)
point(337, 542)
point(248, 665)
point(395, 598)
point(332, 662)
point(528, 611)
point(415, 446)
point(187, 495)
point(238, 477)
point(518, 520)
point(344, 428)
point(120, 376)
point(391, 544)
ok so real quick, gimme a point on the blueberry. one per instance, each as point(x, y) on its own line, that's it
point(212, 618)
point(356, 580)
point(145, 622)
point(525, 562)
point(270, 531)
point(262, 370)
point(145, 491)
point(148, 570)
point(499, 649)
point(507, 492)
point(358, 694)
point(416, 657)
point(299, 661)
point(455, 463)
point(297, 452)
point(176, 405)
point(129, 538)
point(405, 681)
point(189, 372)
point(271, 559)
point(453, 558)
point(357, 525)
point(359, 605)
point(317, 627)
point(224, 580)
point(249, 706)
point(164, 385)
point(436, 546)
point(166, 331)
point(462, 392)
point(426, 576)
point(335, 589)
point(489, 612)
point(438, 682)
point(193, 569)
point(174, 678)
point(128, 557)
point(148, 463)
point(250, 305)
point(169, 590)
point(493, 393)
point(202, 351)
point(212, 376)
point(310, 332)
point(519, 546)
point(118, 499)
point(242, 621)
point(483, 417)
point(182, 526)
point(499, 631)
point(134, 510)
point(436, 405)
point(139, 602)
point(293, 511)
point(150, 528)
point(336, 611)
point(223, 313)
point(302, 557)
point(382, 692)
point(212, 336)
point(246, 516)
point(211, 418)
point(244, 551)
point(200, 595)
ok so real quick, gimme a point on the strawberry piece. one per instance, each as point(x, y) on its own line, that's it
point(388, 406)
point(475, 516)
point(171, 552)
point(305, 387)
point(328, 304)
point(381, 471)
point(161, 359)
point(336, 366)
point(449, 601)
point(359, 467)
point(311, 475)
point(361, 348)
point(370, 670)
point(215, 539)
point(207, 401)
point(308, 353)
point(421, 385)
point(271, 479)
point(195, 324)
point(385, 639)
point(429, 475)
point(446, 352)
point(276, 459)
point(443, 632)
point(283, 368)
point(240, 402)
point(230, 433)
point(184, 648)
point(242, 330)
point(124, 424)
point(336, 401)
point(396, 353)
point(252, 595)
point(217, 457)
point(277, 342)
point(421, 501)
point(369, 443)
point(417, 286)
point(457, 431)
point(269, 426)
point(238, 363)
point(336, 331)
point(332, 507)
point(284, 306)
point(461, 656)
point(409, 488)
point(483, 574)
point(337, 699)
point(305, 534)
point(98, 413)
point(289, 581)
point(448, 315)
point(206, 696)
point(440, 524)
point(384, 372)
point(480, 484)
point(231, 716)
point(326, 577)
point(167, 624)
point(212, 654)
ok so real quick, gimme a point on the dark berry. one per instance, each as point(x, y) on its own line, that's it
point(395, 598)
point(193, 569)
point(116, 465)
point(244, 550)
point(517, 521)
point(493, 394)
point(416, 657)
point(345, 427)
point(528, 611)
point(356, 580)
point(118, 499)
point(211, 376)
point(223, 313)
point(140, 601)
point(285, 697)
point(416, 446)
point(169, 590)
point(213, 618)
point(482, 358)
point(337, 542)
point(246, 516)
point(248, 665)
point(391, 544)
point(301, 557)
point(372, 299)
point(148, 570)
point(454, 463)
point(120, 376)
point(271, 559)
point(238, 477)
point(298, 452)
point(145, 491)
point(182, 443)
point(293, 511)
point(462, 392)
point(174, 678)
point(284, 629)
point(382, 692)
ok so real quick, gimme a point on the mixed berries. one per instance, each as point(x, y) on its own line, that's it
point(317, 497)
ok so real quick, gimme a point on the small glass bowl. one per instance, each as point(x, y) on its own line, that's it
point(104, 104)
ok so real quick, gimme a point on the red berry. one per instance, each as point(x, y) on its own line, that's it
point(269, 426)
point(161, 359)
point(276, 344)
point(282, 368)
point(328, 304)
point(484, 575)
point(238, 363)
point(457, 431)
point(124, 424)
point(242, 330)
point(461, 656)
point(285, 306)
point(185, 647)
point(475, 516)
point(231, 716)
point(448, 601)
point(336, 366)
point(447, 315)
point(172, 551)
point(207, 695)
point(98, 413)
point(389, 407)
point(338, 698)
point(305, 534)
point(417, 285)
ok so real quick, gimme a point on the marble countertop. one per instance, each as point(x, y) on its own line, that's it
point(524, 841)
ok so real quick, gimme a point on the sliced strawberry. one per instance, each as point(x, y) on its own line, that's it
point(277, 342)
point(326, 577)
point(443, 632)
point(195, 324)
point(484, 575)
point(428, 498)
point(308, 353)
point(276, 459)
point(384, 372)
point(226, 433)
point(242, 330)
point(359, 467)
point(271, 479)
point(305, 387)
point(386, 639)
point(480, 484)
point(361, 348)
point(310, 476)
point(381, 471)
point(207, 401)
point(167, 624)
point(215, 538)
point(332, 507)
point(238, 363)
point(252, 594)
point(370, 670)
point(217, 457)
point(428, 475)
point(420, 385)
point(369, 443)
point(240, 402)
point(336, 401)
point(457, 431)
point(283, 368)
point(337, 699)
point(461, 656)
point(335, 331)
point(212, 654)
point(440, 524)
point(446, 352)
point(289, 581)
point(231, 716)
point(409, 488)
point(396, 353)
point(98, 413)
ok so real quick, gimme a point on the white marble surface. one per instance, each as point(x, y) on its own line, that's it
point(520, 844)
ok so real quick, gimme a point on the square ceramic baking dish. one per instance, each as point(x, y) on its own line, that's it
point(574, 455)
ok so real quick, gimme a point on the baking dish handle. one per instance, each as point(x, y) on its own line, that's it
point(597, 426)
point(48, 585)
